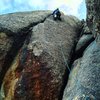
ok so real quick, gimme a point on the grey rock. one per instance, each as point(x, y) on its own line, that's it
point(16, 22)
point(85, 29)
point(13, 31)
point(39, 66)
point(5, 45)
point(83, 42)
point(93, 16)
point(87, 80)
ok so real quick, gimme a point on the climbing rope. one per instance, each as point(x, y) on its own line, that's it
point(65, 61)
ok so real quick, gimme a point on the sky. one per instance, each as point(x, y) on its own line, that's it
point(68, 7)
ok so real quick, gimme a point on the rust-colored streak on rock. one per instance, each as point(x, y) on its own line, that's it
point(34, 81)
point(22, 54)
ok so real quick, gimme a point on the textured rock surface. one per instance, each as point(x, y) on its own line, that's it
point(35, 51)
point(37, 72)
point(21, 21)
point(87, 81)
point(85, 29)
point(13, 31)
point(5, 45)
point(84, 79)
point(72, 78)
point(83, 42)
point(93, 16)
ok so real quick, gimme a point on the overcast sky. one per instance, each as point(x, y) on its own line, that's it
point(69, 7)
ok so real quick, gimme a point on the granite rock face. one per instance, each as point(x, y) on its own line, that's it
point(83, 42)
point(38, 70)
point(36, 53)
point(13, 31)
point(5, 46)
point(21, 21)
point(84, 80)
point(93, 16)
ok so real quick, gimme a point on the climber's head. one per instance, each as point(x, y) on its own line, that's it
point(57, 8)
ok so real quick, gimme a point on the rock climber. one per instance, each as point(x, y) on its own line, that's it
point(56, 14)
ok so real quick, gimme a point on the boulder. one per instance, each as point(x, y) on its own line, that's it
point(21, 21)
point(86, 83)
point(72, 79)
point(38, 70)
point(83, 43)
point(84, 79)
point(13, 31)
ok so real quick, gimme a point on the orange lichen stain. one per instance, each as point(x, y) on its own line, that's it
point(10, 80)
